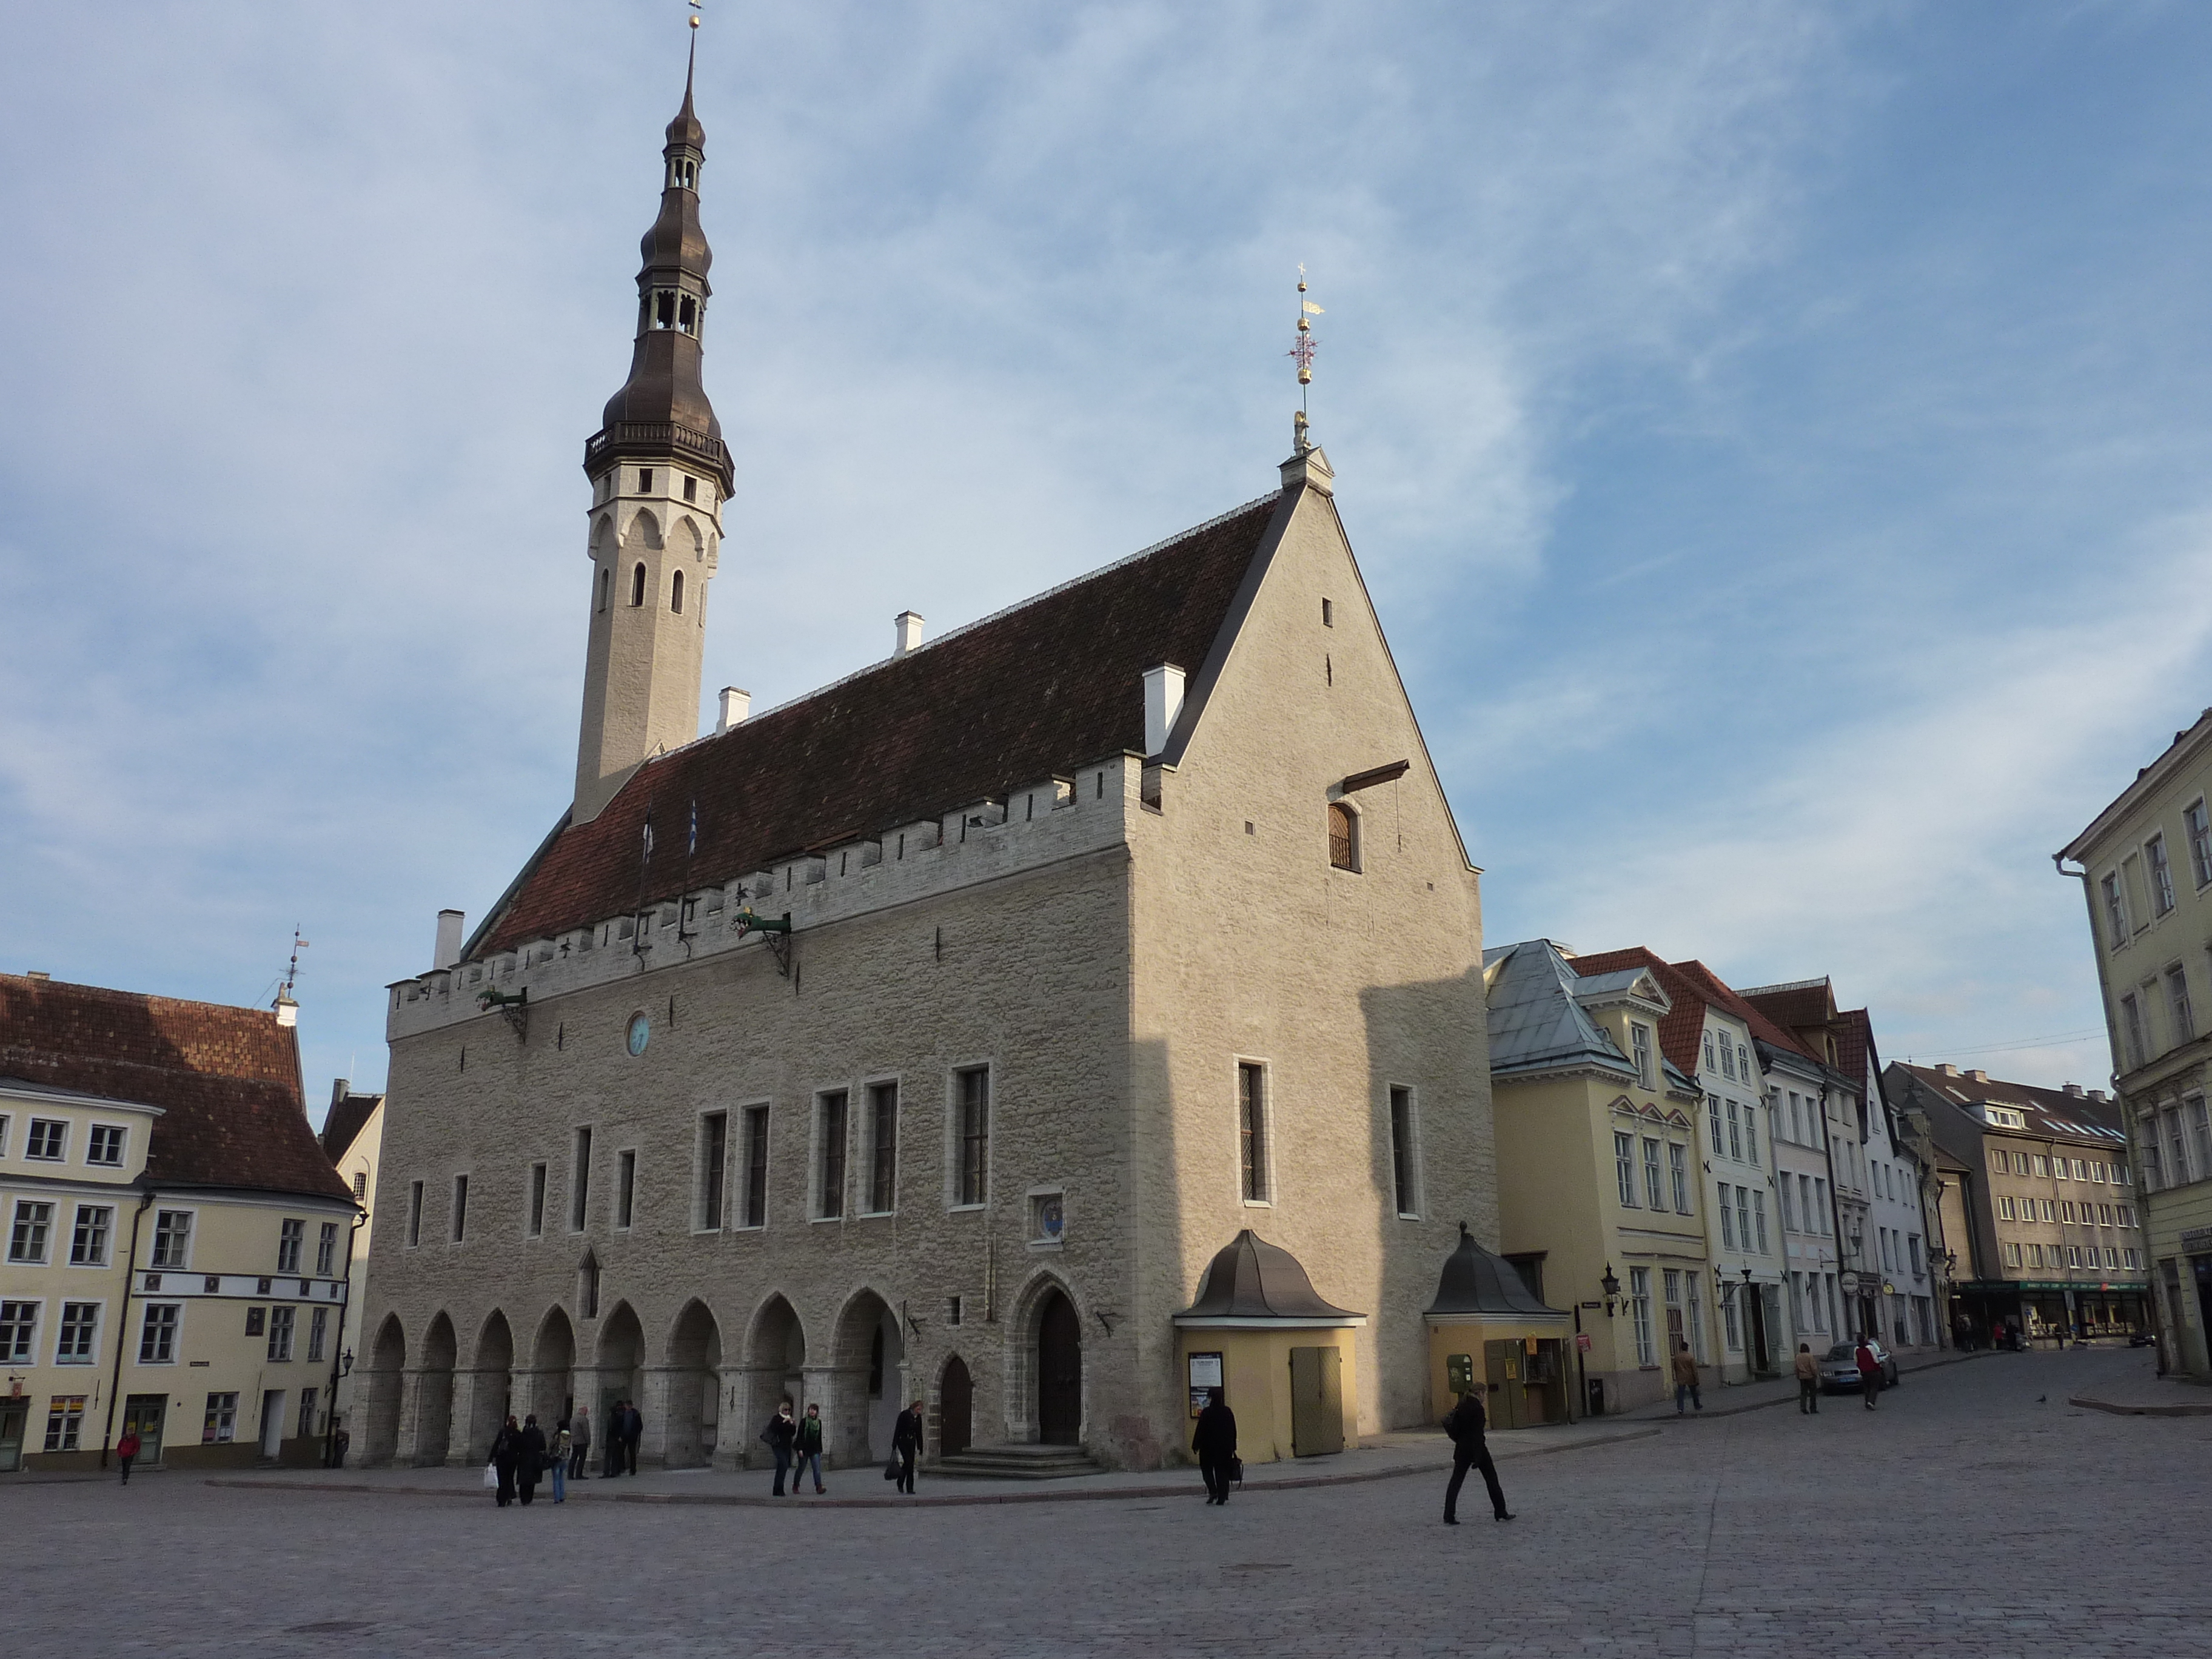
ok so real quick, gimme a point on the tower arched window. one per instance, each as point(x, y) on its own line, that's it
point(676, 594)
point(606, 582)
point(637, 585)
point(1343, 836)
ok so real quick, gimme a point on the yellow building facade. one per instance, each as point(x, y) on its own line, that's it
point(176, 1243)
point(1593, 1124)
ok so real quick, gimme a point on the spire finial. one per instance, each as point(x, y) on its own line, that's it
point(1302, 352)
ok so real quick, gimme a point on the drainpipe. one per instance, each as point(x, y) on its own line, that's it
point(1835, 1200)
point(123, 1325)
point(345, 1305)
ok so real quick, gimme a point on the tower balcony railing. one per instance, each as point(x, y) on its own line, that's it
point(655, 434)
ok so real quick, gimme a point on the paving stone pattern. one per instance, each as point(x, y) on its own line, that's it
point(1974, 1512)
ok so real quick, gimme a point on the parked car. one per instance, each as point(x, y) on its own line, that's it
point(1839, 1366)
point(2142, 1339)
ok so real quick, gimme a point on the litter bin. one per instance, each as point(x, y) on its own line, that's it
point(1597, 1396)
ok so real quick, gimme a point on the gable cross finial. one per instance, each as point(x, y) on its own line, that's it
point(1302, 352)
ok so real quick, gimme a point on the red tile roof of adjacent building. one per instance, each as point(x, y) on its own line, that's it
point(1691, 985)
point(225, 1079)
point(1043, 688)
point(1805, 1003)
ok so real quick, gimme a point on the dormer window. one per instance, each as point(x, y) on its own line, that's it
point(1639, 1038)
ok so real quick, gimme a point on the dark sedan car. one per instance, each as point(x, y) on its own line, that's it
point(1839, 1366)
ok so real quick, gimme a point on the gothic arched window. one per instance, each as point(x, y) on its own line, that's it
point(1343, 836)
point(637, 585)
point(676, 594)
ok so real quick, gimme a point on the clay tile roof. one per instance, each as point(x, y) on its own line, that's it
point(1040, 690)
point(2048, 1111)
point(344, 1120)
point(1711, 986)
point(1681, 1028)
point(226, 1080)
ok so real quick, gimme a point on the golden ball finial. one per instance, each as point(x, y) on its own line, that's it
point(694, 19)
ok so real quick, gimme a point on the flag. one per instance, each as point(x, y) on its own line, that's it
point(1310, 308)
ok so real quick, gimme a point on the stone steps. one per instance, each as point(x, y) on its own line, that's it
point(1018, 1462)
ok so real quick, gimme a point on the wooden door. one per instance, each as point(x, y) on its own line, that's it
point(956, 1410)
point(1316, 1402)
point(1060, 1374)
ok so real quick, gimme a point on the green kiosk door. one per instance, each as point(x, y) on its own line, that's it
point(1316, 1401)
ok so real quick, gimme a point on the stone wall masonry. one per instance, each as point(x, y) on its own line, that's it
point(1020, 964)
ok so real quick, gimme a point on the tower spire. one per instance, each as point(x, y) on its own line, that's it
point(659, 473)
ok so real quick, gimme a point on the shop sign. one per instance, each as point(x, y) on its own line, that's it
point(1582, 1341)
point(1849, 1284)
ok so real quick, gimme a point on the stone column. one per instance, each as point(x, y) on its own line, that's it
point(842, 1393)
point(738, 1425)
point(407, 1450)
point(654, 1405)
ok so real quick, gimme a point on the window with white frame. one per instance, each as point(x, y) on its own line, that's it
point(2115, 912)
point(1788, 1209)
point(2176, 1004)
point(2004, 1210)
point(1708, 1051)
point(1639, 1306)
point(2131, 1030)
point(2012, 1256)
point(157, 1333)
point(2200, 1131)
point(89, 1238)
point(78, 1343)
point(2199, 825)
point(3, 1135)
point(1728, 1059)
point(1731, 1331)
point(1678, 1168)
point(1758, 1217)
point(19, 1328)
point(1751, 1135)
point(1639, 1039)
point(173, 1238)
point(26, 1239)
point(48, 1141)
point(1727, 1220)
point(64, 1421)
point(319, 1331)
point(220, 1425)
point(291, 1239)
point(2161, 875)
point(281, 1321)
point(1654, 1188)
point(1743, 1215)
point(1743, 1062)
point(326, 1250)
point(1713, 1122)
point(104, 1145)
point(1624, 1168)
point(1734, 1135)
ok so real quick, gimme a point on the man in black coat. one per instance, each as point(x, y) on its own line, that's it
point(1467, 1425)
point(1214, 1440)
point(906, 1444)
point(633, 1431)
point(777, 1436)
point(531, 1464)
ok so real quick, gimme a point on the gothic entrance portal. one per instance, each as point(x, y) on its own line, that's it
point(956, 1411)
point(1059, 1373)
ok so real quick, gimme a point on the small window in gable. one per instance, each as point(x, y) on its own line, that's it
point(1343, 836)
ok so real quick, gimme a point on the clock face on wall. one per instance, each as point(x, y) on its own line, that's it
point(640, 1033)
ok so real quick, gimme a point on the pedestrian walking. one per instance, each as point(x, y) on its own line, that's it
point(1466, 1424)
point(557, 1463)
point(125, 1450)
point(530, 1460)
point(342, 1439)
point(1685, 1379)
point(633, 1430)
point(778, 1437)
point(808, 1447)
point(612, 1463)
point(1214, 1440)
point(580, 1442)
point(506, 1448)
point(1869, 1373)
point(1809, 1382)
point(906, 1444)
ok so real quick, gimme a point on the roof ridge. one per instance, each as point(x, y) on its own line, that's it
point(1003, 611)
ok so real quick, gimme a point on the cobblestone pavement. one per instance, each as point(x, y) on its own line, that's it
point(1974, 1512)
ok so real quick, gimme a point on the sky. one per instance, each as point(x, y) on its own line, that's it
point(1774, 437)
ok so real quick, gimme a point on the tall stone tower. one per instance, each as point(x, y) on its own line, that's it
point(659, 473)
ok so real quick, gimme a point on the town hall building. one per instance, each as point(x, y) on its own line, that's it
point(1049, 1021)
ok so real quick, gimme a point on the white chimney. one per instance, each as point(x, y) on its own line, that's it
point(909, 633)
point(1162, 705)
point(288, 1011)
point(736, 705)
point(449, 939)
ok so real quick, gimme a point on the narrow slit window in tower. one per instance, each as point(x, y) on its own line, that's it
point(606, 582)
point(676, 594)
point(637, 585)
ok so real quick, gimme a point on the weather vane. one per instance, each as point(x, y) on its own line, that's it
point(1302, 352)
point(292, 972)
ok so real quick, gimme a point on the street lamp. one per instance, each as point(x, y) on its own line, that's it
point(1611, 1289)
